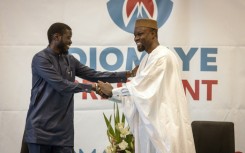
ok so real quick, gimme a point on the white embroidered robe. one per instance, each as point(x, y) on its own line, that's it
point(155, 105)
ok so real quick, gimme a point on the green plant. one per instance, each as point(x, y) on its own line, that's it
point(120, 138)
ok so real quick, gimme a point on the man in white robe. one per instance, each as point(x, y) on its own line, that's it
point(154, 101)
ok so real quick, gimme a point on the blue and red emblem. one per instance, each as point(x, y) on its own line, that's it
point(125, 12)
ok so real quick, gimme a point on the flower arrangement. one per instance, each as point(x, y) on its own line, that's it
point(121, 140)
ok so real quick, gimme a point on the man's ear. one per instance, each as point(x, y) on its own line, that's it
point(154, 33)
point(56, 37)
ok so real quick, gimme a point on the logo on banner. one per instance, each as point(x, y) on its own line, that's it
point(125, 12)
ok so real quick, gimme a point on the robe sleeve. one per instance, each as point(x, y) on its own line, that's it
point(122, 95)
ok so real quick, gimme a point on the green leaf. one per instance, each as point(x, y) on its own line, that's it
point(117, 117)
point(130, 140)
point(123, 119)
point(117, 120)
point(109, 127)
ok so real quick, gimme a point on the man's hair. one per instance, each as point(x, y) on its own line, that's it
point(56, 28)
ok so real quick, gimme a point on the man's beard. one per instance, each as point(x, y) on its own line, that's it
point(141, 48)
point(62, 47)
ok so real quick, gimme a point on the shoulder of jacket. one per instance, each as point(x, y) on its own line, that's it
point(44, 54)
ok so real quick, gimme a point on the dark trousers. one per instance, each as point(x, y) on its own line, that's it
point(38, 148)
point(24, 147)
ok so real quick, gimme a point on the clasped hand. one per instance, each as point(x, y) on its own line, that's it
point(104, 89)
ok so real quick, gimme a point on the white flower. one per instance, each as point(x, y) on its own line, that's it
point(124, 132)
point(123, 145)
point(110, 149)
point(119, 126)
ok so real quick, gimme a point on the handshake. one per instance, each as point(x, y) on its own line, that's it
point(104, 89)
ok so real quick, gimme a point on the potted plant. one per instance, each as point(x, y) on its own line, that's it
point(119, 136)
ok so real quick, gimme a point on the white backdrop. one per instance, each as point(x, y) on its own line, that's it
point(207, 36)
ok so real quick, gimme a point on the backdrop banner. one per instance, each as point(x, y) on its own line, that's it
point(208, 38)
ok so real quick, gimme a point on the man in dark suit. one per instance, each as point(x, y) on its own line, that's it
point(49, 123)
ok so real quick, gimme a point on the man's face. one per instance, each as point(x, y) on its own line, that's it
point(143, 38)
point(65, 42)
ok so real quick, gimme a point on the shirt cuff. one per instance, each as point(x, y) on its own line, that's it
point(85, 87)
point(122, 76)
point(122, 91)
